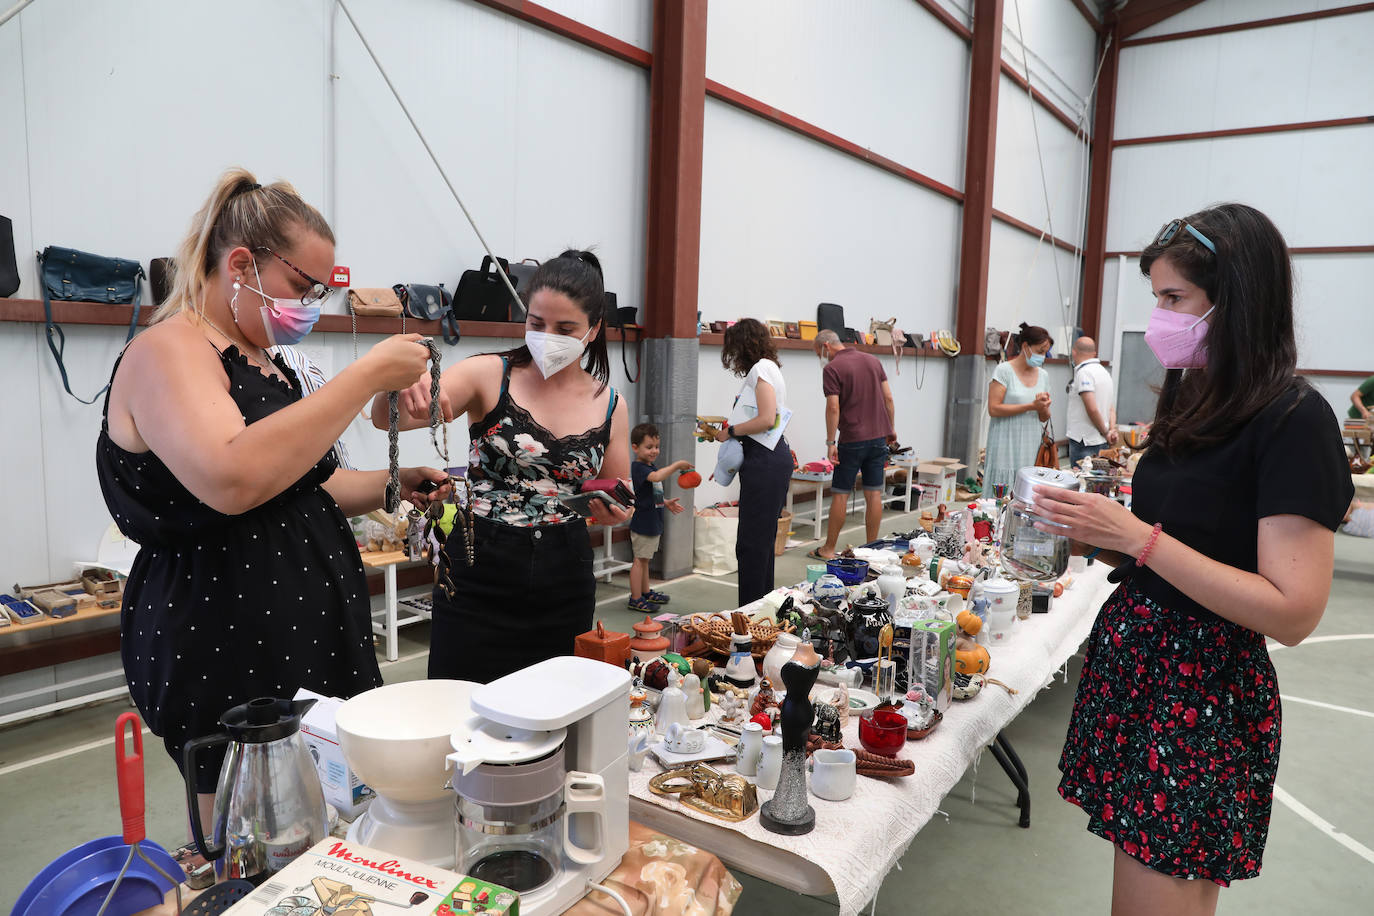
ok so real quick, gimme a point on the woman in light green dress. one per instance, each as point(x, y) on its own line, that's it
point(1018, 403)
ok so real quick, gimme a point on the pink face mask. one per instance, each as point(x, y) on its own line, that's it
point(1178, 339)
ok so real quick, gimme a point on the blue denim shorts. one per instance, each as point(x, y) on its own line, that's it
point(867, 456)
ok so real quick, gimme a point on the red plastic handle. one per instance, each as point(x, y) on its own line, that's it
point(129, 771)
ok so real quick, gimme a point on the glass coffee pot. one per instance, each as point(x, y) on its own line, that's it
point(1033, 547)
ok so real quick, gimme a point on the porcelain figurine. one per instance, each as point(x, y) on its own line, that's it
point(839, 699)
point(788, 812)
point(763, 698)
point(731, 707)
point(638, 747)
point(641, 716)
point(969, 656)
point(696, 700)
point(672, 706)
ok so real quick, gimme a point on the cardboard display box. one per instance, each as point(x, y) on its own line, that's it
point(943, 472)
point(931, 660)
point(342, 787)
point(344, 879)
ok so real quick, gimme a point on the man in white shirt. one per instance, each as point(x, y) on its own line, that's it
point(1092, 415)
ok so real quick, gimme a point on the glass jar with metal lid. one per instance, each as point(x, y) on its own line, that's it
point(1032, 546)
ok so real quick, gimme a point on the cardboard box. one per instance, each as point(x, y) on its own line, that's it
point(342, 788)
point(808, 330)
point(943, 472)
point(932, 659)
point(345, 879)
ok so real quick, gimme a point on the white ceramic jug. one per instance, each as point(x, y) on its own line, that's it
point(780, 654)
point(833, 774)
point(770, 765)
point(750, 749)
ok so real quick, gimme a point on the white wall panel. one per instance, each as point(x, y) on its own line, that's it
point(1333, 299)
point(1018, 188)
point(886, 76)
point(1062, 49)
point(1106, 340)
point(545, 140)
point(961, 10)
point(1307, 71)
point(1213, 13)
point(787, 223)
point(1311, 183)
point(628, 20)
point(14, 159)
point(1022, 287)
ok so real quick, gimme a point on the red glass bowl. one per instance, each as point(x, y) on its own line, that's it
point(882, 731)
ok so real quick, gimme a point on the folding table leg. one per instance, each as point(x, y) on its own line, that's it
point(1016, 771)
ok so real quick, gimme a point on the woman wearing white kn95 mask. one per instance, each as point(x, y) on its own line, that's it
point(541, 425)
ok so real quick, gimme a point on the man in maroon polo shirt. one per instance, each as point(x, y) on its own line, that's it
point(859, 424)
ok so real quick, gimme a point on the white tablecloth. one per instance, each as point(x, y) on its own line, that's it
point(858, 841)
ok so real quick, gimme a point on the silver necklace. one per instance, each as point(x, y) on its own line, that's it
point(266, 362)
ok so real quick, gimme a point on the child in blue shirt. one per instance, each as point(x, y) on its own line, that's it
point(646, 525)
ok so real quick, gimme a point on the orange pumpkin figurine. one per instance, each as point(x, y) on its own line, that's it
point(969, 657)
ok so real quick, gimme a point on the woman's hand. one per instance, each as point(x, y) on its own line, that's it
point(414, 401)
point(411, 478)
point(1093, 519)
point(396, 363)
point(1042, 405)
point(604, 512)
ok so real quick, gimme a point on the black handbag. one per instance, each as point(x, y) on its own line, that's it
point(9, 267)
point(162, 274)
point(482, 295)
point(79, 276)
point(624, 319)
point(830, 317)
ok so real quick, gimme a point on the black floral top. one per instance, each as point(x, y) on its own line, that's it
point(519, 469)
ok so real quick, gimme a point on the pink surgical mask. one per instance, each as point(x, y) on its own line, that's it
point(1178, 339)
point(286, 321)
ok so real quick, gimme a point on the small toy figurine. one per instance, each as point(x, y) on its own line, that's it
point(827, 723)
point(969, 657)
point(731, 706)
point(840, 700)
point(763, 698)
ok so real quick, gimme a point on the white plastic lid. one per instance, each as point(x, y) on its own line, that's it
point(480, 741)
point(551, 694)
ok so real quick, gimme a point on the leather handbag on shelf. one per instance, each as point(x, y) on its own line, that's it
point(882, 331)
point(374, 302)
point(162, 273)
point(1047, 456)
point(482, 294)
point(830, 317)
point(624, 320)
point(424, 302)
point(9, 267)
point(67, 274)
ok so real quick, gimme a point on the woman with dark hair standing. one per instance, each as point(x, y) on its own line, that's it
point(1018, 402)
point(1174, 741)
point(758, 419)
point(541, 425)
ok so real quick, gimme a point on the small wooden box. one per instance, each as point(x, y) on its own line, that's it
point(100, 582)
point(603, 645)
point(56, 603)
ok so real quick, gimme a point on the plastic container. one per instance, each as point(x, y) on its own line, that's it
point(814, 571)
point(1028, 552)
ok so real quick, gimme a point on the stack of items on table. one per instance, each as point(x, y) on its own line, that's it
point(873, 651)
point(94, 589)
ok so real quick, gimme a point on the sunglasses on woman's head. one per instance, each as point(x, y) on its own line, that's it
point(1172, 231)
point(317, 293)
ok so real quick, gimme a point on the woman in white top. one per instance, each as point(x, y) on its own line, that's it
point(757, 419)
point(1018, 402)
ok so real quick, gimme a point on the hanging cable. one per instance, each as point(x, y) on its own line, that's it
point(425, 143)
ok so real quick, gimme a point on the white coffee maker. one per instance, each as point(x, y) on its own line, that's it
point(542, 778)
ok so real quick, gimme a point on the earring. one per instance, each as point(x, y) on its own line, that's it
point(234, 302)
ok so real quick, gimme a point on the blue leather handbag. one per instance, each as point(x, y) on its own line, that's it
point(79, 276)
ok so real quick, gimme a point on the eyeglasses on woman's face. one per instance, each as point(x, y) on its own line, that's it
point(316, 293)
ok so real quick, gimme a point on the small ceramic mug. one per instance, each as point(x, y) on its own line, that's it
point(681, 740)
point(833, 774)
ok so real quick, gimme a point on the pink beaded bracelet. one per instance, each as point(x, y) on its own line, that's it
point(1149, 546)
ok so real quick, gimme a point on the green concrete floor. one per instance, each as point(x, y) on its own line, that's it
point(57, 783)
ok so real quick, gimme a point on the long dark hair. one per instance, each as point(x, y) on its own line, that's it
point(746, 342)
point(577, 275)
point(1251, 350)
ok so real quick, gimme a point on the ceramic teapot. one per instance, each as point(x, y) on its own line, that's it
point(868, 616)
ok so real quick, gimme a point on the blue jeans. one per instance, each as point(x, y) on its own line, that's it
point(868, 456)
point(1078, 451)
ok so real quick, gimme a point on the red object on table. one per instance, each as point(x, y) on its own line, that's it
point(689, 480)
point(982, 531)
point(765, 720)
point(882, 731)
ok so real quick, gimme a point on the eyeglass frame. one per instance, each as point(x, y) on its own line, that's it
point(1170, 232)
point(310, 296)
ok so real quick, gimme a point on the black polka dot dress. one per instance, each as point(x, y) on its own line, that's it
point(219, 609)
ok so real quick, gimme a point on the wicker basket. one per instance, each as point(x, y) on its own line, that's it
point(715, 631)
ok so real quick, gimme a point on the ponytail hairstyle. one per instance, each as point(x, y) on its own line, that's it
point(1252, 353)
point(239, 212)
point(577, 275)
point(1030, 335)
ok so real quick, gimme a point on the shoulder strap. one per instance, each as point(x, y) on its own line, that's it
point(505, 378)
point(610, 407)
point(57, 340)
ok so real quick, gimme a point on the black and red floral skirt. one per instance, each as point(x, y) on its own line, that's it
point(1174, 742)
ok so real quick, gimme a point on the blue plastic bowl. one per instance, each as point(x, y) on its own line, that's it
point(847, 569)
point(79, 887)
point(57, 866)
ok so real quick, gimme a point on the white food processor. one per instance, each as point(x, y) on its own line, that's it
point(397, 738)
